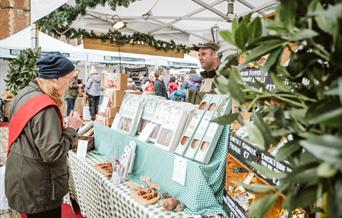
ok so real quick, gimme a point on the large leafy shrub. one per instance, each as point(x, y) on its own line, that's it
point(306, 104)
point(22, 70)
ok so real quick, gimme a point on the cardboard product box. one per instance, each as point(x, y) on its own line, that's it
point(172, 127)
point(103, 120)
point(79, 104)
point(100, 119)
point(202, 127)
point(112, 111)
point(212, 136)
point(121, 80)
point(150, 105)
point(108, 92)
point(102, 108)
point(134, 92)
point(130, 114)
point(189, 132)
point(159, 117)
point(117, 98)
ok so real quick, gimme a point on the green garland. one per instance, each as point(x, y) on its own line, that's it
point(57, 23)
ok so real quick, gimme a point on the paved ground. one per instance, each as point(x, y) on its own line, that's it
point(3, 152)
point(3, 144)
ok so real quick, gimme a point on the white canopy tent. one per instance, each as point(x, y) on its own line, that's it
point(10, 47)
point(184, 21)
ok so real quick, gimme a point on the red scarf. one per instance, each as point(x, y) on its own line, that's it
point(26, 113)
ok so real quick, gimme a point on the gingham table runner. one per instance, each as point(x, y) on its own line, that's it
point(203, 190)
point(98, 197)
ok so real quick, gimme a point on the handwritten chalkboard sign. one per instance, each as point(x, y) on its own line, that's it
point(268, 161)
point(234, 209)
point(249, 75)
point(243, 151)
point(247, 153)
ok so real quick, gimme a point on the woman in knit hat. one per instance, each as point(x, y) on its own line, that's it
point(36, 177)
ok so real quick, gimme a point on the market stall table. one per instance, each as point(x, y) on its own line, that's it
point(98, 197)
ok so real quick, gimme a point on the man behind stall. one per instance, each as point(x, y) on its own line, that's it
point(210, 62)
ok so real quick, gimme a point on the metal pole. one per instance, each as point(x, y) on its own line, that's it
point(205, 5)
point(34, 36)
point(86, 69)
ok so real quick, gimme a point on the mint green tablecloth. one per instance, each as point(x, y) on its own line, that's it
point(204, 184)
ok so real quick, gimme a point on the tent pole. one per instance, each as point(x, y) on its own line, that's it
point(86, 69)
point(34, 36)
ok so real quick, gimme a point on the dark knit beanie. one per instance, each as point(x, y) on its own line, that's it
point(52, 66)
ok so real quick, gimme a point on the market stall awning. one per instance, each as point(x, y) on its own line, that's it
point(41, 8)
point(184, 21)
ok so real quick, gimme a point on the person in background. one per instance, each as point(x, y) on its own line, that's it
point(93, 87)
point(159, 86)
point(72, 92)
point(131, 84)
point(148, 87)
point(194, 82)
point(172, 85)
point(36, 177)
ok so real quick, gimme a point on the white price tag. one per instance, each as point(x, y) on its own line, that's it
point(147, 131)
point(104, 105)
point(82, 148)
point(179, 170)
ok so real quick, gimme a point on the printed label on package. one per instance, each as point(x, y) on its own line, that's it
point(243, 151)
point(234, 209)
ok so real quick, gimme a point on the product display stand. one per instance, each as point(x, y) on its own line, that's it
point(202, 193)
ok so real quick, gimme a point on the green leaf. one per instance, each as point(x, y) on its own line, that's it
point(327, 19)
point(301, 199)
point(326, 170)
point(241, 37)
point(279, 83)
point(235, 25)
point(222, 84)
point(271, 60)
point(226, 119)
point(276, 26)
point(287, 150)
point(267, 172)
point(338, 90)
point(327, 112)
point(263, 127)
point(228, 37)
point(234, 85)
point(254, 30)
point(264, 49)
point(257, 188)
point(338, 197)
point(325, 147)
point(255, 136)
point(262, 206)
point(286, 13)
point(303, 34)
